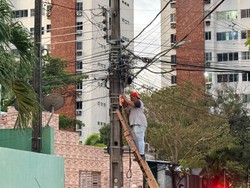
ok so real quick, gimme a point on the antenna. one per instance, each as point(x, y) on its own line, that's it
point(53, 102)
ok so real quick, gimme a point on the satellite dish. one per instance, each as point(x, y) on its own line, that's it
point(53, 102)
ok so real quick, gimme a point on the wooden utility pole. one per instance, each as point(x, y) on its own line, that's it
point(116, 88)
point(37, 79)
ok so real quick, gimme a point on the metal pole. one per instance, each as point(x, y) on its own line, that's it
point(37, 78)
point(116, 88)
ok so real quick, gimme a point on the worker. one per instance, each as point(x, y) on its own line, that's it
point(137, 120)
point(181, 186)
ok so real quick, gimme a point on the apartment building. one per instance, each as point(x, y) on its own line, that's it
point(75, 31)
point(182, 41)
point(217, 55)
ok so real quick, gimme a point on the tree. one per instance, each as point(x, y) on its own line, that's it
point(105, 134)
point(55, 76)
point(94, 140)
point(14, 36)
point(181, 127)
point(200, 131)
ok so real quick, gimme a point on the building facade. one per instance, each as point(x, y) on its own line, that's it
point(77, 31)
point(217, 56)
point(183, 42)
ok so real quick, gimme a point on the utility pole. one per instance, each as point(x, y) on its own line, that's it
point(37, 79)
point(116, 88)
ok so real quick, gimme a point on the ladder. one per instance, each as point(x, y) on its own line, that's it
point(142, 163)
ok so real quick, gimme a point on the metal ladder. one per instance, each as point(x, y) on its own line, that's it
point(142, 163)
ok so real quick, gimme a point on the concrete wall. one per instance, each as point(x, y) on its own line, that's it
point(24, 169)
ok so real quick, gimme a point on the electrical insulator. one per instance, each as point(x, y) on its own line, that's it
point(105, 23)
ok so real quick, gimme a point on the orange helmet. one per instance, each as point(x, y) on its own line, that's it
point(135, 94)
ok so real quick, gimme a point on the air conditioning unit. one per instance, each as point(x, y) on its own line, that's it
point(79, 93)
point(79, 32)
point(208, 64)
point(78, 13)
point(78, 113)
point(173, 4)
point(208, 86)
point(207, 1)
point(78, 72)
point(173, 25)
point(207, 22)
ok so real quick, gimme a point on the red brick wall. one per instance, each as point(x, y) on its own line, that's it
point(188, 15)
point(63, 44)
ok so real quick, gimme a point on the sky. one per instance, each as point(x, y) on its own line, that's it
point(148, 44)
point(145, 11)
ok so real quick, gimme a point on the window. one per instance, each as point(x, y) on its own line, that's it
point(79, 105)
point(246, 98)
point(79, 53)
point(20, 13)
point(245, 34)
point(173, 38)
point(48, 28)
point(232, 56)
point(89, 179)
point(208, 56)
point(78, 64)
point(32, 31)
point(227, 78)
point(79, 85)
point(79, 6)
point(245, 55)
point(231, 35)
point(42, 32)
point(208, 35)
point(173, 59)
point(173, 79)
point(173, 17)
point(32, 12)
point(227, 15)
point(79, 45)
point(245, 13)
point(207, 1)
point(79, 26)
point(246, 76)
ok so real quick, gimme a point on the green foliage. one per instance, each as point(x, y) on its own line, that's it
point(56, 76)
point(94, 140)
point(13, 71)
point(66, 122)
point(105, 134)
point(200, 131)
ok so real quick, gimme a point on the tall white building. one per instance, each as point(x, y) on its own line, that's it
point(91, 56)
point(226, 31)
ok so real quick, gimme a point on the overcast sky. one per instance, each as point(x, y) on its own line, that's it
point(145, 11)
point(148, 44)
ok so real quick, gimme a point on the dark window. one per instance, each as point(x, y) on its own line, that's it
point(208, 35)
point(173, 58)
point(173, 79)
point(78, 64)
point(79, 105)
point(48, 28)
point(79, 26)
